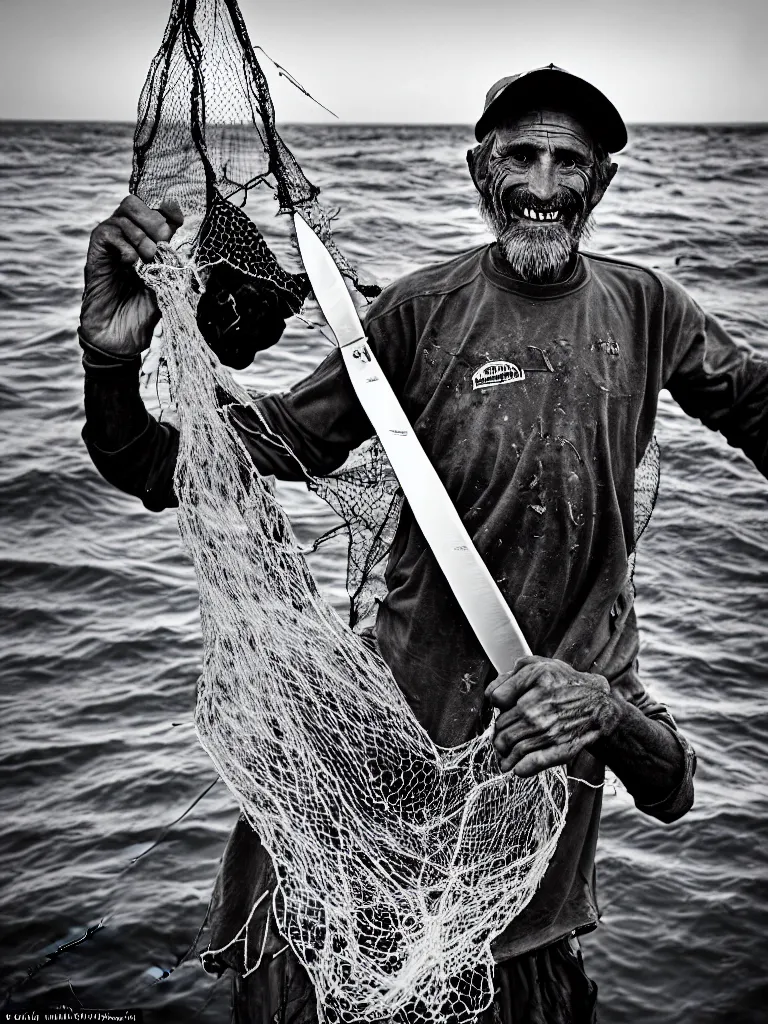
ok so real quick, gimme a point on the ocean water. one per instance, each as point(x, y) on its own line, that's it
point(99, 635)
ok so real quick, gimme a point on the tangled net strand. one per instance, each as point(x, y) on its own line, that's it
point(397, 861)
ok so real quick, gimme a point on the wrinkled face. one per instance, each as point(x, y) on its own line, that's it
point(537, 189)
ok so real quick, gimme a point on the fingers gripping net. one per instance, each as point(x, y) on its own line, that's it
point(397, 862)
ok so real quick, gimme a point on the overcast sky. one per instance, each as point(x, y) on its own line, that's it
point(405, 60)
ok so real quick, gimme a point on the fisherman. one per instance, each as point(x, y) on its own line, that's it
point(531, 372)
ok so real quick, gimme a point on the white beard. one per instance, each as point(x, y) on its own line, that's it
point(536, 252)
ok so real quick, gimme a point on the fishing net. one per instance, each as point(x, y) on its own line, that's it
point(397, 861)
point(365, 495)
point(647, 476)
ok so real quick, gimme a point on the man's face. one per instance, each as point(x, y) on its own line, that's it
point(538, 190)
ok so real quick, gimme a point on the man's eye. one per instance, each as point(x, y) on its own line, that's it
point(515, 154)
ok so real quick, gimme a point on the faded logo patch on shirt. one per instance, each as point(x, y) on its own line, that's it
point(496, 372)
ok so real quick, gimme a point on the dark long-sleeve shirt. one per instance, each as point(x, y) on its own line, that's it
point(535, 404)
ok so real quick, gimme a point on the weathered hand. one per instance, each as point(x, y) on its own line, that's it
point(119, 312)
point(549, 713)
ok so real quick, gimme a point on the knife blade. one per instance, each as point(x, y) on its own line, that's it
point(476, 591)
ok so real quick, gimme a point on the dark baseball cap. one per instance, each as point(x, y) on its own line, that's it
point(553, 88)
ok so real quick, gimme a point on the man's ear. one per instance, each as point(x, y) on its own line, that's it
point(601, 185)
point(477, 162)
point(472, 165)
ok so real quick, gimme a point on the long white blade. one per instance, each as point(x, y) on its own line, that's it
point(480, 599)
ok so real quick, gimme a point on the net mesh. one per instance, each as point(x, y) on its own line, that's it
point(366, 496)
point(206, 137)
point(647, 476)
point(397, 861)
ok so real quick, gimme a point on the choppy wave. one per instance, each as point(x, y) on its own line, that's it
point(100, 640)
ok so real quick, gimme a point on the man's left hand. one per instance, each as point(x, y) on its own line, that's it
point(549, 714)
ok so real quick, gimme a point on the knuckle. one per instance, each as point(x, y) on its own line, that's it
point(527, 699)
point(132, 232)
point(117, 221)
point(524, 747)
point(114, 228)
point(503, 721)
point(125, 205)
point(500, 697)
point(529, 718)
point(103, 229)
point(601, 683)
point(132, 203)
point(538, 717)
point(155, 217)
point(503, 742)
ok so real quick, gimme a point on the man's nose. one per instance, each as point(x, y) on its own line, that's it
point(542, 178)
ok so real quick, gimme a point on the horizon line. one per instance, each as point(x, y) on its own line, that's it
point(10, 119)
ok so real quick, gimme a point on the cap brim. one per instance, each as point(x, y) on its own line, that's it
point(554, 89)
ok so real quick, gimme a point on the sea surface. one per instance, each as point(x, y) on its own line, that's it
point(99, 635)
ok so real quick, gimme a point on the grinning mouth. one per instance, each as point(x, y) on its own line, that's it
point(538, 215)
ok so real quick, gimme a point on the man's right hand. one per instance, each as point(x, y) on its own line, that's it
point(119, 312)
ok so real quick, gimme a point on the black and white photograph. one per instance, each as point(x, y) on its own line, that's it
point(383, 512)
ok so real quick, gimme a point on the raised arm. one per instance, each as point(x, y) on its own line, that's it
point(715, 379)
point(320, 418)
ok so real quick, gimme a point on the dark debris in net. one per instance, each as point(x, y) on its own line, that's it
point(206, 135)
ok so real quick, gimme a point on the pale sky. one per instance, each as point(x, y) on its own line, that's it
point(404, 60)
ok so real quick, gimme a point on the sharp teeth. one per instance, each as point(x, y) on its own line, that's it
point(526, 212)
point(540, 215)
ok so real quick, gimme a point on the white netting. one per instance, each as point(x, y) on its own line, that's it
point(397, 861)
